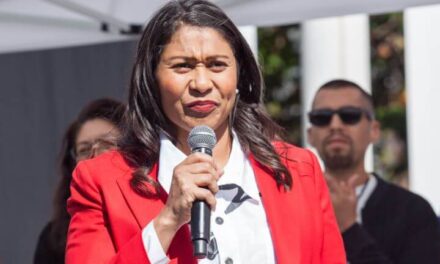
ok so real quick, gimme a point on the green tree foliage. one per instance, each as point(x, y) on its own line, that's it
point(279, 58)
point(388, 83)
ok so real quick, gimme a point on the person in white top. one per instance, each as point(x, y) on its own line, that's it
point(269, 200)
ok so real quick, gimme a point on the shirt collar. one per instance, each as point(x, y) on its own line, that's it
point(170, 156)
point(363, 193)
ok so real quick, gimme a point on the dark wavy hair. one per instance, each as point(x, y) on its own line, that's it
point(346, 84)
point(105, 108)
point(145, 117)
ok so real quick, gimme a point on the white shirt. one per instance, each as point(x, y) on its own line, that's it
point(363, 193)
point(239, 229)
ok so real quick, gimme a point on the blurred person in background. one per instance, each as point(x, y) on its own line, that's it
point(94, 131)
point(380, 222)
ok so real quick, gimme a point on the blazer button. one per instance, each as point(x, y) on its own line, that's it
point(219, 221)
point(229, 261)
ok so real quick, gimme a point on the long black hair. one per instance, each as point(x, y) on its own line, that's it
point(145, 117)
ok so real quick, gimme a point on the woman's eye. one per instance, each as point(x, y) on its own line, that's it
point(107, 144)
point(217, 65)
point(83, 152)
point(182, 66)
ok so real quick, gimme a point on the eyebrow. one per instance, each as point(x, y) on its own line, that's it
point(82, 143)
point(106, 136)
point(213, 57)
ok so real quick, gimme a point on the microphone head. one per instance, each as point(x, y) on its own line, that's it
point(202, 137)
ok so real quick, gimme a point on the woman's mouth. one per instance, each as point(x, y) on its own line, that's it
point(202, 107)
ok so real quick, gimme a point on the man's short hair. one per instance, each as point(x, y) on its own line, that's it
point(344, 84)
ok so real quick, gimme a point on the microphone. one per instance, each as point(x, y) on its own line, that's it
point(201, 139)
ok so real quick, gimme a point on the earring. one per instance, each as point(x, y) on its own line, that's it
point(237, 91)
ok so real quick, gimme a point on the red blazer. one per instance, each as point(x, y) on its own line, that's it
point(108, 216)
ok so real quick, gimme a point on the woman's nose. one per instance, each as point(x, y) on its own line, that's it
point(201, 81)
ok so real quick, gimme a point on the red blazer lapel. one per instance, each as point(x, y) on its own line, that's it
point(144, 209)
point(279, 206)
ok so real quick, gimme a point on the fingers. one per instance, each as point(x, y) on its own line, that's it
point(198, 157)
point(189, 194)
point(207, 196)
point(353, 180)
point(332, 183)
point(192, 184)
point(203, 168)
point(196, 167)
point(195, 178)
point(206, 181)
point(349, 183)
point(342, 187)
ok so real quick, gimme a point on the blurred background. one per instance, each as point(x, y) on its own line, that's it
point(279, 52)
point(57, 55)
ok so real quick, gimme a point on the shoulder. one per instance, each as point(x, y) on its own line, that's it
point(44, 235)
point(44, 251)
point(412, 202)
point(109, 165)
point(301, 159)
point(398, 193)
point(293, 153)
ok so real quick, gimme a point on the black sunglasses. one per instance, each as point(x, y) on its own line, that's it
point(349, 115)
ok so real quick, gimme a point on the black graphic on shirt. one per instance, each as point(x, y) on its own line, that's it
point(234, 193)
point(212, 247)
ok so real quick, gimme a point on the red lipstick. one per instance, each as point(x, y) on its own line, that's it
point(202, 106)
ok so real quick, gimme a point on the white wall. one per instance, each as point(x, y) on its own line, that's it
point(422, 62)
point(337, 47)
point(251, 35)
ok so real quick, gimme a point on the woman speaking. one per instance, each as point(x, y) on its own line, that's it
point(268, 199)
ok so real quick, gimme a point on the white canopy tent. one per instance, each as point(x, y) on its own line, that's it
point(37, 24)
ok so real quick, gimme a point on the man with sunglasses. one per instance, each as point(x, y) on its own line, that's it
point(380, 222)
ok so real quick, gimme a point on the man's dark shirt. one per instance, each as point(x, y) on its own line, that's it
point(397, 227)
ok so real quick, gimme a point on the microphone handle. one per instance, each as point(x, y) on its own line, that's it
point(200, 228)
point(200, 221)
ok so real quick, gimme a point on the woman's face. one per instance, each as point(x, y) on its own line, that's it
point(95, 137)
point(197, 78)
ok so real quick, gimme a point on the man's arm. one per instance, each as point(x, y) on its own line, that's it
point(361, 247)
point(423, 242)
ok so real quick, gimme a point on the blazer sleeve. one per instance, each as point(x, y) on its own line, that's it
point(89, 238)
point(333, 246)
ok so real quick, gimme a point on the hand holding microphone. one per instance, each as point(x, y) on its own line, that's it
point(192, 193)
point(201, 139)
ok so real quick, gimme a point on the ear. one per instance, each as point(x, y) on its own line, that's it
point(310, 138)
point(375, 131)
